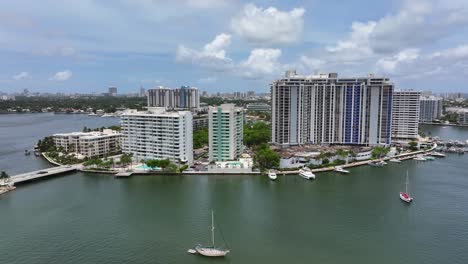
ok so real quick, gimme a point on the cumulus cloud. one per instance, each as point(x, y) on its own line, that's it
point(269, 26)
point(389, 64)
point(21, 76)
point(212, 55)
point(261, 62)
point(62, 76)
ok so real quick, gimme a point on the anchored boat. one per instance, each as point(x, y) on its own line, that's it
point(404, 196)
point(211, 251)
point(341, 170)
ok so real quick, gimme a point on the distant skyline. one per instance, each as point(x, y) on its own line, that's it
point(85, 46)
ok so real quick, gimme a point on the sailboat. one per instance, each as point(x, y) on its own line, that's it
point(405, 195)
point(211, 251)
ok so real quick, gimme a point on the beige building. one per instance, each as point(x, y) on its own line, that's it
point(90, 144)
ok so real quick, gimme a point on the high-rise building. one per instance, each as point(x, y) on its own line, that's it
point(226, 132)
point(112, 91)
point(405, 115)
point(325, 109)
point(463, 117)
point(142, 92)
point(180, 98)
point(430, 108)
point(158, 134)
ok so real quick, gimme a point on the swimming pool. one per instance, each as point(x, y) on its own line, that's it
point(146, 167)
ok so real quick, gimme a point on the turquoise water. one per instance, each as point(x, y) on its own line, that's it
point(146, 167)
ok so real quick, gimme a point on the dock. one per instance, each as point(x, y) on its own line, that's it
point(44, 173)
point(123, 174)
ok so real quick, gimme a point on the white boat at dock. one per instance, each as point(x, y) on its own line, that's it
point(379, 163)
point(272, 175)
point(306, 173)
point(395, 160)
point(420, 158)
point(427, 157)
point(437, 154)
point(341, 170)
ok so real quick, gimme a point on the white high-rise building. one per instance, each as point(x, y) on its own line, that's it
point(430, 108)
point(325, 109)
point(158, 134)
point(226, 132)
point(181, 98)
point(405, 115)
point(90, 144)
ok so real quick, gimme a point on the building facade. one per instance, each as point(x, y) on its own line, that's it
point(258, 107)
point(158, 134)
point(200, 122)
point(405, 115)
point(430, 108)
point(325, 109)
point(112, 91)
point(463, 117)
point(181, 98)
point(90, 144)
point(226, 132)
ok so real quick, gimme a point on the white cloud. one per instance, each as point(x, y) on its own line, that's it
point(357, 45)
point(269, 26)
point(207, 80)
point(205, 4)
point(212, 55)
point(389, 64)
point(261, 62)
point(21, 76)
point(62, 76)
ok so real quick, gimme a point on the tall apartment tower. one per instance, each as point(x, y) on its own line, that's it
point(405, 115)
point(181, 98)
point(325, 109)
point(158, 134)
point(112, 91)
point(226, 132)
point(430, 108)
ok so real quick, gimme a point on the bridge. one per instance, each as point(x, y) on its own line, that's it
point(34, 175)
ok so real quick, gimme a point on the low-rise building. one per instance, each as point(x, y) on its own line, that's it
point(90, 144)
point(200, 122)
point(258, 107)
point(158, 134)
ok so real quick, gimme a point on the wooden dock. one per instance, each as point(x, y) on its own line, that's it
point(124, 174)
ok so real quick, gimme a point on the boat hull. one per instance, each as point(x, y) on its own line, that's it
point(307, 176)
point(405, 197)
point(211, 252)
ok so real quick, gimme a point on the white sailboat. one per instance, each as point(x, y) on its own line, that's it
point(211, 251)
point(272, 175)
point(404, 196)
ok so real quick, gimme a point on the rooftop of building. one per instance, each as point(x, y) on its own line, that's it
point(89, 135)
point(169, 88)
point(292, 75)
point(155, 111)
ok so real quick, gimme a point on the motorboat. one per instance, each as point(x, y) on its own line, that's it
point(341, 170)
point(429, 157)
point(437, 154)
point(272, 175)
point(420, 158)
point(379, 163)
point(212, 250)
point(306, 173)
point(395, 160)
point(404, 196)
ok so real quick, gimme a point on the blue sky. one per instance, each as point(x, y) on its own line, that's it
point(228, 45)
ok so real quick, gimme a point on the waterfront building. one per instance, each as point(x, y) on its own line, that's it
point(181, 98)
point(90, 144)
point(226, 132)
point(430, 108)
point(405, 115)
point(158, 133)
point(463, 117)
point(258, 107)
point(325, 109)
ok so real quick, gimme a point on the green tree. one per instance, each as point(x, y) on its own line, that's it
point(126, 159)
point(266, 158)
point(413, 145)
point(256, 133)
point(4, 175)
point(379, 152)
point(200, 138)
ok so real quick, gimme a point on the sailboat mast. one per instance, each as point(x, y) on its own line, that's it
point(212, 228)
point(406, 183)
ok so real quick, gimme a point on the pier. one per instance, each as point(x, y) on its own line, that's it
point(44, 173)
